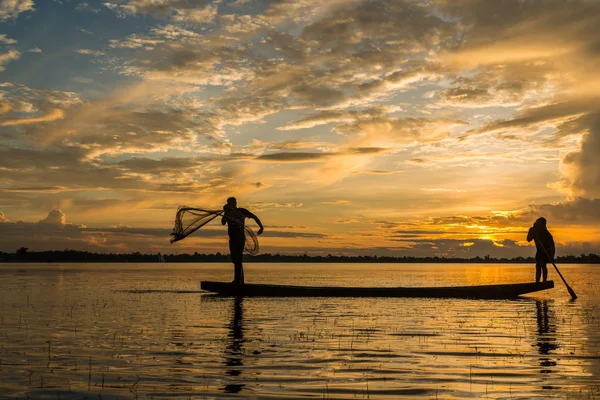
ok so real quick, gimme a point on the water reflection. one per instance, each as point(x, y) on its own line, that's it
point(546, 337)
point(234, 349)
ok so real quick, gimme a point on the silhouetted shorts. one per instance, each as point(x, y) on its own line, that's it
point(236, 248)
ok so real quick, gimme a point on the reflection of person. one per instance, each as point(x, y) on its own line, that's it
point(546, 337)
point(544, 243)
point(234, 217)
point(234, 349)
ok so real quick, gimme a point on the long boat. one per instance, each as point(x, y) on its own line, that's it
point(506, 291)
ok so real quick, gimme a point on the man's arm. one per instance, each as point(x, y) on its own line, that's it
point(531, 234)
point(255, 218)
point(552, 252)
point(552, 248)
point(224, 217)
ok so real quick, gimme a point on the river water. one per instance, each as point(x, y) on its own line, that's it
point(121, 331)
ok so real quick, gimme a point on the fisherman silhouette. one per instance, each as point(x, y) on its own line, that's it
point(234, 217)
point(544, 243)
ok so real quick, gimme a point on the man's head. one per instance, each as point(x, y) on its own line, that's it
point(541, 222)
point(232, 202)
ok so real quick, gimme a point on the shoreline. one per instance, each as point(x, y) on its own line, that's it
point(288, 260)
point(23, 255)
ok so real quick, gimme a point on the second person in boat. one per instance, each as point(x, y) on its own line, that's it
point(544, 243)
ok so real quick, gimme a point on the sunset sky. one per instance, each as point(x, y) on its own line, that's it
point(415, 127)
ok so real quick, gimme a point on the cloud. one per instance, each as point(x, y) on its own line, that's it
point(262, 86)
point(286, 234)
point(178, 10)
point(303, 157)
point(245, 24)
point(535, 115)
point(163, 165)
point(399, 80)
point(570, 117)
point(580, 211)
point(201, 233)
point(53, 115)
point(345, 221)
point(465, 248)
point(549, 31)
point(135, 42)
point(5, 58)
point(122, 123)
point(498, 220)
point(321, 118)
point(85, 6)
point(386, 131)
point(295, 157)
point(6, 40)
point(295, 145)
point(333, 72)
point(263, 206)
point(442, 190)
point(66, 168)
point(568, 220)
point(380, 172)
point(501, 86)
point(55, 217)
point(336, 116)
point(498, 225)
point(201, 15)
point(335, 202)
point(278, 12)
point(553, 44)
point(21, 105)
point(54, 232)
point(10, 9)
point(90, 52)
point(418, 161)
point(582, 167)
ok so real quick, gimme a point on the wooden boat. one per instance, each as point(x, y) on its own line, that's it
point(506, 291)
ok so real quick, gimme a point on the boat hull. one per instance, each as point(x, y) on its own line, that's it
point(506, 291)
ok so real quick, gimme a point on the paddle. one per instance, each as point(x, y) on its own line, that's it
point(571, 291)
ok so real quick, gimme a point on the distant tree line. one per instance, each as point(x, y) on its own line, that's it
point(24, 255)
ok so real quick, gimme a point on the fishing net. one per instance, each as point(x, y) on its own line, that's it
point(251, 246)
point(189, 219)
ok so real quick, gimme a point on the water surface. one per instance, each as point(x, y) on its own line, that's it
point(143, 331)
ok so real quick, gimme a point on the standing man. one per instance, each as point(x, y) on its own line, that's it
point(544, 243)
point(235, 219)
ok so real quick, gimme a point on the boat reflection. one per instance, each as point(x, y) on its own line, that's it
point(234, 349)
point(546, 337)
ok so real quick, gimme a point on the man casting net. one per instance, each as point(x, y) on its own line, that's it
point(189, 219)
